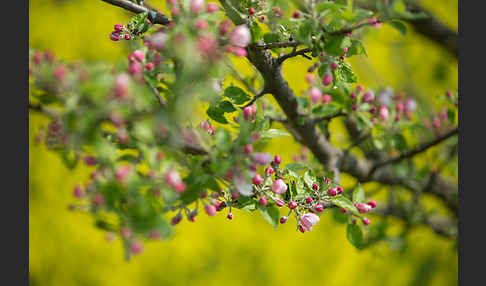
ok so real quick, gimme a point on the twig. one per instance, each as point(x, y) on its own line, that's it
point(295, 53)
point(277, 45)
point(327, 117)
point(154, 16)
point(257, 96)
point(421, 148)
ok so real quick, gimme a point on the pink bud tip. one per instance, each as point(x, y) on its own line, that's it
point(343, 210)
point(334, 66)
point(363, 208)
point(326, 98)
point(372, 204)
point(251, 11)
point(114, 36)
point(230, 216)
point(301, 228)
point(263, 18)
point(210, 210)
point(269, 170)
point(263, 201)
point(292, 205)
point(201, 25)
point(296, 14)
point(78, 192)
point(280, 203)
point(212, 7)
point(366, 221)
point(149, 66)
point(283, 219)
point(332, 192)
point(315, 187)
point(339, 189)
point(279, 186)
point(196, 6)
point(359, 88)
point(277, 160)
point(118, 27)
point(257, 179)
point(248, 149)
point(308, 200)
point(345, 49)
point(327, 79)
point(319, 208)
point(309, 78)
point(353, 95)
point(136, 247)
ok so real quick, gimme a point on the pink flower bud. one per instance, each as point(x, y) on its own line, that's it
point(229, 216)
point(292, 205)
point(138, 55)
point(334, 66)
point(283, 219)
point(326, 98)
point(368, 97)
point(309, 78)
point(136, 247)
point(301, 228)
point(269, 171)
point(372, 110)
point(436, 122)
point(176, 219)
point(383, 113)
point(315, 94)
point(251, 11)
point(180, 188)
point(353, 95)
point(366, 221)
point(255, 136)
point(262, 158)
point(354, 107)
point(126, 232)
point(410, 105)
point(374, 22)
point(175, 11)
point(449, 93)
point(331, 192)
point(263, 18)
point(90, 161)
point(253, 168)
point(263, 201)
point(60, 72)
point(210, 210)
point(327, 180)
point(78, 192)
point(277, 160)
point(127, 37)
point(343, 210)
point(196, 6)
point(122, 172)
point(308, 220)
point(399, 107)
point(248, 149)
point(135, 68)
point(296, 14)
point(212, 7)
point(224, 27)
point(319, 208)
point(308, 200)
point(98, 199)
point(372, 204)
point(240, 52)
point(327, 79)
point(235, 195)
point(315, 187)
point(173, 179)
point(240, 36)
point(158, 40)
point(345, 49)
point(257, 179)
point(149, 66)
point(339, 189)
point(201, 25)
point(280, 203)
point(279, 186)
point(118, 27)
point(114, 36)
point(363, 208)
point(359, 89)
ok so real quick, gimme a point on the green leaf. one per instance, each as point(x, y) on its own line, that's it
point(216, 114)
point(305, 31)
point(294, 169)
point(357, 48)
point(226, 106)
point(339, 216)
point(325, 110)
point(344, 202)
point(335, 44)
point(399, 26)
point(271, 214)
point(354, 235)
point(236, 94)
point(246, 204)
point(359, 195)
point(346, 74)
point(256, 32)
point(323, 6)
point(309, 178)
point(273, 133)
point(269, 38)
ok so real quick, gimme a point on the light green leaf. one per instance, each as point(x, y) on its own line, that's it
point(273, 133)
point(359, 195)
point(354, 235)
point(271, 214)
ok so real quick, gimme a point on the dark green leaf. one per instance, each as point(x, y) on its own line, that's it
point(335, 44)
point(269, 38)
point(236, 94)
point(216, 114)
point(226, 106)
point(399, 26)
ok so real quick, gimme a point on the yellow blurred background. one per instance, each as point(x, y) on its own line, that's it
point(66, 249)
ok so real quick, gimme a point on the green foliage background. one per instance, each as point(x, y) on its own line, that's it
point(66, 249)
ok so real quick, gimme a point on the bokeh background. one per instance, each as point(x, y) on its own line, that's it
point(66, 249)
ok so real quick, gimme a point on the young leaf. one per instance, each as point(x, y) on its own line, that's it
point(359, 195)
point(344, 202)
point(399, 26)
point(273, 133)
point(354, 235)
point(271, 214)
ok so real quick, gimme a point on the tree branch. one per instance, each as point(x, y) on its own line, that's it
point(295, 53)
point(328, 117)
point(155, 17)
point(421, 148)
